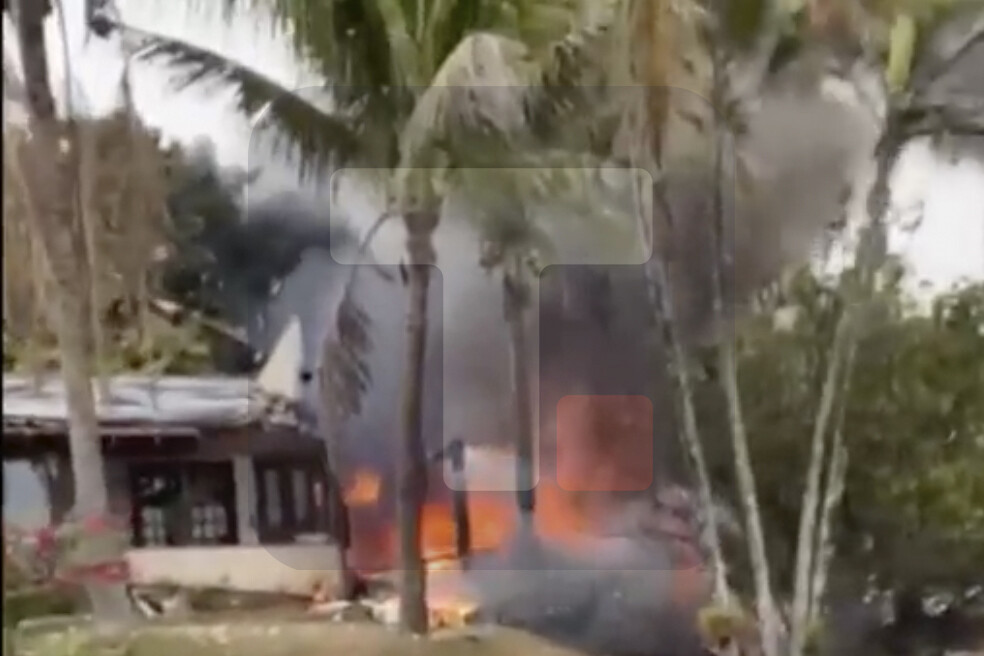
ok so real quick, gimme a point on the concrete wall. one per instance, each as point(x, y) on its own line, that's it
point(292, 569)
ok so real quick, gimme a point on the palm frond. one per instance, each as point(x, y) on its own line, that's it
point(345, 374)
point(524, 209)
point(574, 104)
point(953, 39)
point(476, 94)
point(301, 125)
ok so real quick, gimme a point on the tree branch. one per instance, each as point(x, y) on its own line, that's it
point(959, 116)
point(931, 73)
point(176, 314)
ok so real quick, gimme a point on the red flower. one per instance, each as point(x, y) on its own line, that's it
point(96, 524)
point(45, 539)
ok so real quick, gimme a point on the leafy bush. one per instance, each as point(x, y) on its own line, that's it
point(41, 601)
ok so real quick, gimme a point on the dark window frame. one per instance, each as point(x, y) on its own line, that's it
point(181, 473)
point(290, 525)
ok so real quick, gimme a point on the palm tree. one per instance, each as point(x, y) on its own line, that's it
point(659, 42)
point(513, 242)
point(414, 90)
point(50, 179)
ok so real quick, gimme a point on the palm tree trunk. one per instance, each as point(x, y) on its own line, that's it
point(51, 173)
point(764, 601)
point(412, 479)
point(459, 501)
point(691, 437)
point(339, 525)
point(516, 298)
point(655, 32)
point(768, 616)
point(661, 300)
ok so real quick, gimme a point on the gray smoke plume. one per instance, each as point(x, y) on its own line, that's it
point(594, 337)
point(802, 147)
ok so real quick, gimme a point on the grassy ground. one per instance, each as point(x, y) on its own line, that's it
point(272, 638)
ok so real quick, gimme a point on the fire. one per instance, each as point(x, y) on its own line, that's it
point(449, 601)
point(364, 490)
point(493, 521)
point(565, 510)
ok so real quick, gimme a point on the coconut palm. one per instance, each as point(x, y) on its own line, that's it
point(48, 174)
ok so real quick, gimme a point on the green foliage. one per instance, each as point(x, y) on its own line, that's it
point(902, 47)
point(719, 624)
point(165, 254)
point(39, 602)
point(917, 422)
point(913, 424)
point(744, 19)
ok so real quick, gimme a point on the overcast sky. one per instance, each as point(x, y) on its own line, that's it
point(947, 246)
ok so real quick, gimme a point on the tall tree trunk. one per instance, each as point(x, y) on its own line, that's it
point(516, 299)
point(412, 479)
point(51, 175)
point(339, 525)
point(809, 508)
point(764, 601)
point(657, 32)
point(872, 251)
point(661, 300)
point(833, 493)
point(768, 616)
point(459, 501)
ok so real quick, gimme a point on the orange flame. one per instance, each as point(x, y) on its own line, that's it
point(364, 490)
point(563, 512)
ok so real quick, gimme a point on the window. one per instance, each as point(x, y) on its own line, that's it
point(287, 501)
point(179, 503)
point(153, 529)
point(210, 523)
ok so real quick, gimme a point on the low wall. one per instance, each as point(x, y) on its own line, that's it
point(291, 569)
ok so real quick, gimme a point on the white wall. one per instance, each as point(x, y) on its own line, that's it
point(291, 569)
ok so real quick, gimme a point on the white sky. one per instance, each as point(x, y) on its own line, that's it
point(948, 244)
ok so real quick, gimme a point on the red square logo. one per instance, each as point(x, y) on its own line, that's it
point(605, 443)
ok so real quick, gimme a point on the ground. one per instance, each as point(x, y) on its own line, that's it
point(279, 638)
